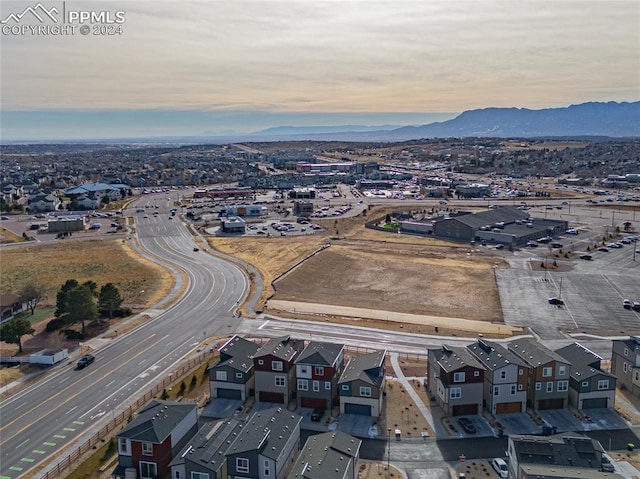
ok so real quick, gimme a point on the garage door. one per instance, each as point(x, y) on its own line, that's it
point(362, 409)
point(313, 402)
point(229, 393)
point(594, 403)
point(508, 407)
point(550, 404)
point(465, 410)
point(271, 397)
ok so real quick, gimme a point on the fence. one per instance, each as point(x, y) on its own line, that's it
point(66, 462)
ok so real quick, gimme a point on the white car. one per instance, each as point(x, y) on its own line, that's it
point(500, 467)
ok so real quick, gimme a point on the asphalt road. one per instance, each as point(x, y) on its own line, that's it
point(66, 404)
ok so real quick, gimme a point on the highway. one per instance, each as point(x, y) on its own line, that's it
point(43, 419)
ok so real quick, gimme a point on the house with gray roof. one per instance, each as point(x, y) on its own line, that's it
point(332, 455)
point(505, 377)
point(232, 377)
point(149, 442)
point(567, 455)
point(589, 386)
point(361, 385)
point(41, 202)
point(318, 369)
point(625, 363)
point(456, 380)
point(548, 381)
point(205, 454)
point(275, 371)
point(266, 445)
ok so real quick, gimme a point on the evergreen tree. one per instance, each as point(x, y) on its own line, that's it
point(12, 331)
point(109, 299)
point(81, 306)
point(62, 298)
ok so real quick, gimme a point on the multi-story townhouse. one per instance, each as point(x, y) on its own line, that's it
point(328, 455)
point(361, 386)
point(232, 377)
point(318, 369)
point(589, 386)
point(456, 380)
point(548, 382)
point(625, 363)
point(274, 369)
point(505, 378)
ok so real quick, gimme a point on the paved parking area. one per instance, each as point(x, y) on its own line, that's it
point(518, 423)
point(355, 424)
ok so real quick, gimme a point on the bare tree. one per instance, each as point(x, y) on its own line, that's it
point(32, 294)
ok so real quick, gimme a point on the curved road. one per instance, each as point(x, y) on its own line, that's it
point(43, 419)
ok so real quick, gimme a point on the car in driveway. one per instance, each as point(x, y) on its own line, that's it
point(500, 466)
point(85, 360)
point(467, 425)
point(316, 414)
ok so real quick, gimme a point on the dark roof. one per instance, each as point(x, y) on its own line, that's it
point(506, 214)
point(266, 431)
point(362, 367)
point(207, 449)
point(493, 355)
point(568, 449)
point(156, 421)
point(584, 362)
point(534, 353)
point(283, 348)
point(632, 342)
point(322, 354)
point(8, 299)
point(237, 353)
point(326, 455)
point(453, 358)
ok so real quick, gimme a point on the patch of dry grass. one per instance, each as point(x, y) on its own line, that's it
point(7, 237)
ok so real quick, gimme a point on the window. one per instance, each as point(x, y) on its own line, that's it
point(520, 387)
point(177, 476)
point(520, 372)
point(503, 375)
point(603, 384)
point(239, 375)
point(585, 384)
point(319, 371)
point(147, 449)
point(148, 469)
point(260, 362)
point(563, 386)
point(458, 377)
point(123, 446)
point(327, 385)
point(304, 369)
point(546, 372)
point(242, 465)
point(476, 374)
point(199, 475)
point(365, 391)
point(281, 380)
point(496, 390)
point(316, 386)
point(538, 386)
point(626, 352)
point(276, 365)
point(221, 375)
point(562, 370)
point(550, 386)
point(455, 393)
point(345, 387)
point(303, 385)
point(624, 367)
point(514, 389)
point(266, 467)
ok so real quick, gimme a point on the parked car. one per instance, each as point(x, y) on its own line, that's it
point(500, 466)
point(499, 246)
point(606, 464)
point(195, 248)
point(85, 360)
point(532, 244)
point(636, 306)
point(467, 425)
point(556, 245)
point(587, 257)
point(626, 304)
point(604, 249)
point(556, 301)
point(316, 414)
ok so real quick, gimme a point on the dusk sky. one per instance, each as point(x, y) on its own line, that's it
point(189, 68)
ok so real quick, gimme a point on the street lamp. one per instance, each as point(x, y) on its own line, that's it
point(389, 453)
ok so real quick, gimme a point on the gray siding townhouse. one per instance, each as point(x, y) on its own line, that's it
point(204, 457)
point(232, 376)
point(328, 455)
point(361, 386)
point(568, 455)
point(266, 446)
point(625, 363)
point(456, 379)
point(275, 372)
point(548, 382)
point(505, 378)
point(41, 202)
point(589, 387)
point(318, 369)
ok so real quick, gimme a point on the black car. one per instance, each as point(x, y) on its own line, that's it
point(557, 245)
point(587, 257)
point(556, 301)
point(316, 414)
point(85, 360)
point(467, 425)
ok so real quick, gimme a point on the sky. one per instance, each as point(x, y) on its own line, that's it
point(213, 67)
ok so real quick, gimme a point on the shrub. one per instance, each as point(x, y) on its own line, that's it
point(71, 334)
point(55, 324)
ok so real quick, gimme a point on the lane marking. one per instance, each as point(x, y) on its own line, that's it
point(22, 443)
point(74, 407)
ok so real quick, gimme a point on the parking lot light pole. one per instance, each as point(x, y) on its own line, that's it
point(389, 453)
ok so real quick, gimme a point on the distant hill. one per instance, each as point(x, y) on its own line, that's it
point(610, 119)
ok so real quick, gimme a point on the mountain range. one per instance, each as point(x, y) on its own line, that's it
point(610, 119)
